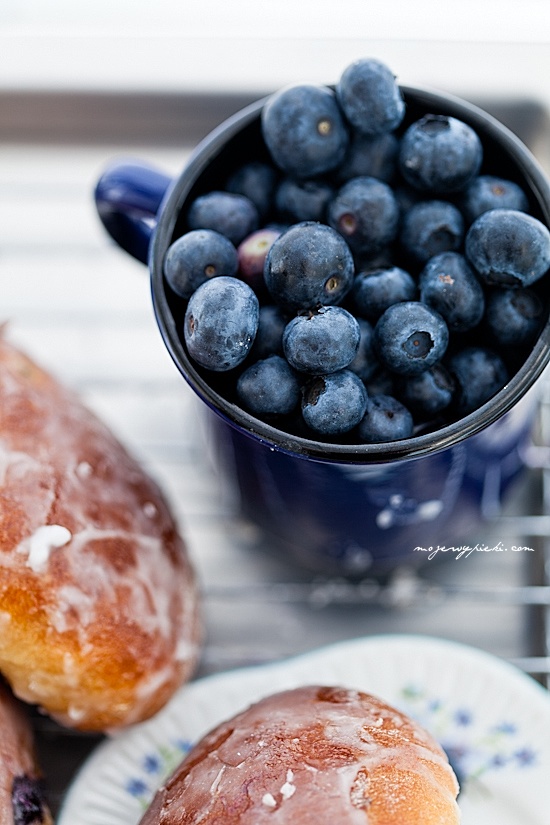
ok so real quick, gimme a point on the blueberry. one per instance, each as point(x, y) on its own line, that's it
point(196, 257)
point(374, 157)
point(220, 323)
point(479, 373)
point(255, 180)
point(374, 291)
point(428, 394)
point(508, 248)
point(386, 419)
point(304, 200)
point(440, 154)
point(449, 285)
point(370, 97)
point(309, 264)
point(514, 316)
point(28, 804)
point(322, 340)
point(486, 192)
point(251, 254)
point(334, 404)
point(304, 130)
point(431, 227)
point(269, 387)
point(410, 337)
point(269, 337)
point(365, 362)
point(365, 212)
point(232, 215)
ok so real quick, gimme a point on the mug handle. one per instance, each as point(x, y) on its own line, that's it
point(128, 196)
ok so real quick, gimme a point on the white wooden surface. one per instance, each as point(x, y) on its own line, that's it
point(81, 307)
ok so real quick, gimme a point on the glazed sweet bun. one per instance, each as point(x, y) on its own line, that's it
point(21, 793)
point(99, 613)
point(310, 756)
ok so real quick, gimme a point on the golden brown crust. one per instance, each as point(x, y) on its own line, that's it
point(20, 778)
point(98, 601)
point(308, 756)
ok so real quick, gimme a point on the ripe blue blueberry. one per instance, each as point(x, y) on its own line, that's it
point(197, 256)
point(440, 154)
point(232, 215)
point(410, 337)
point(365, 362)
point(374, 291)
point(431, 227)
point(449, 285)
point(309, 264)
point(269, 387)
point(370, 97)
point(220, 323)
point(508, 248)
point(334, 404)
point(428, 394)
point(486, 192)
point(365, 212)
point(269, 337)
point(385, 419)
point(322, 340)
point(479, 373)
point(373, 157)
point(304, 130)
point(514, 316)
point(255, 180)
point(27, 801)
point(305, 200)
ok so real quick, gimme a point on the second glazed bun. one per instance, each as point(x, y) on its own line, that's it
point(310, 756)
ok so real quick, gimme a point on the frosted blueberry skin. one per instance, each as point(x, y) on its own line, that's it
point(300, 201)
point(334, 404)
point(370, 97)
point(269, 387)
point(410, 337)
point(374, 291)
point(365, 212)
point(386, 419)
point(322, 340)
point(28, 803)
point(231, 215)
point(307, 265)
point(257, 181)
point(449, 285)
point(196, 257)
point(428, 394)
point(508, 248)
point(487, 192)
point(374, 157)
point(430, 227)
point(514, 317)
point(440, 154)
point(365, 363)
point(479, 373)
point(269, 337)
point(220, 323)
point(304, 130)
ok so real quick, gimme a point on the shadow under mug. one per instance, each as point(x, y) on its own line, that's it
point(338, 508)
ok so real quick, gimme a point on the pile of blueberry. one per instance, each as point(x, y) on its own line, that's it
point(366, 280)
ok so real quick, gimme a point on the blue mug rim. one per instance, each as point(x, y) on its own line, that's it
point(416, 446)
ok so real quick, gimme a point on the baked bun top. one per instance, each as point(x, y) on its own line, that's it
point(310, 756)
point(98, 601)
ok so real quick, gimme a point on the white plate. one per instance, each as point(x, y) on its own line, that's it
point(493, 720)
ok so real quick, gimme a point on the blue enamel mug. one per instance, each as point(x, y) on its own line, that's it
point(344, 509)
